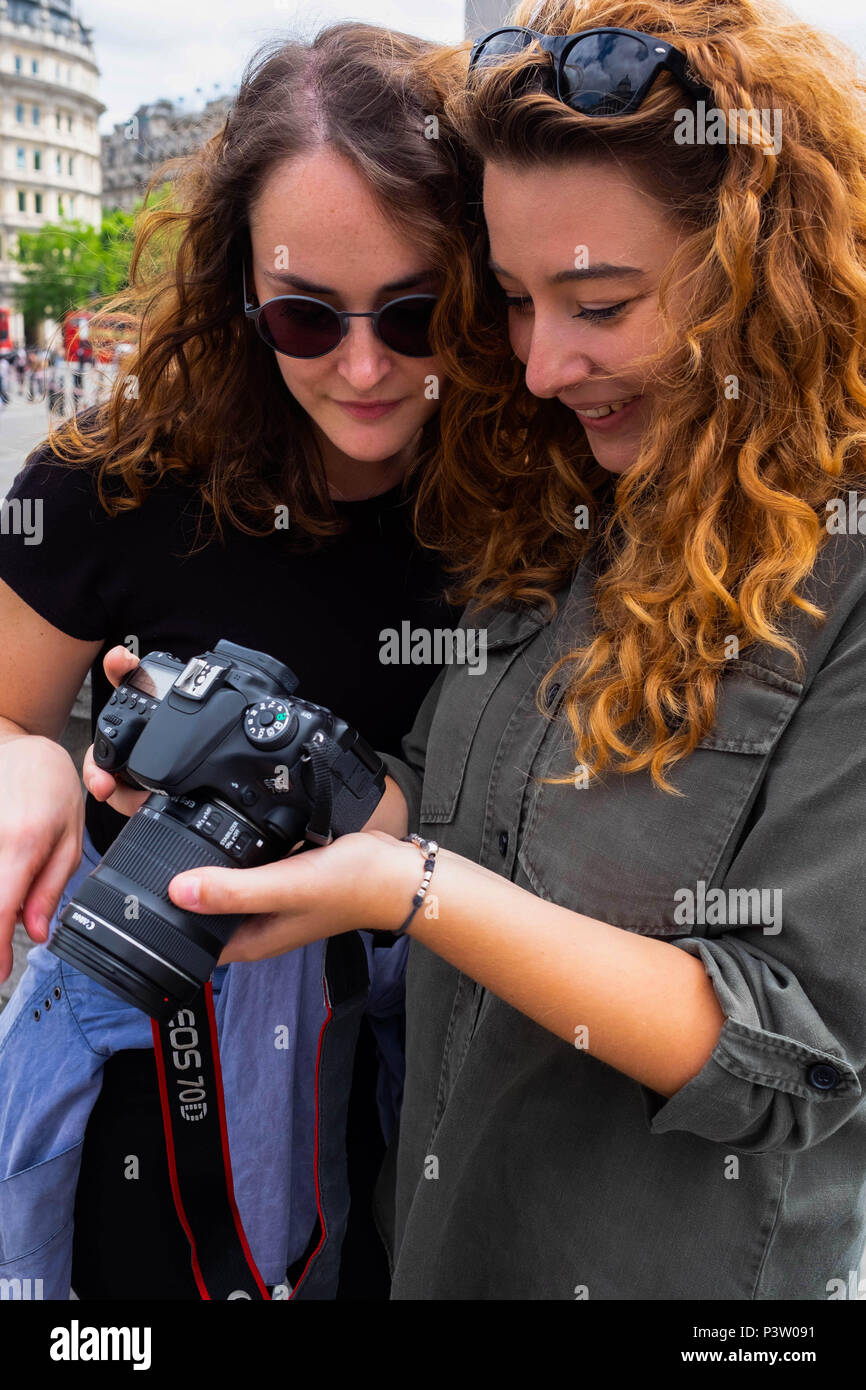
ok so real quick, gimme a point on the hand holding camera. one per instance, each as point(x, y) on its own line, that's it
point(238, 771)
point(117, 664)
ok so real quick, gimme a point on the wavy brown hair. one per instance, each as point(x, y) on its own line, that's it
point(721, 517)
point(202, 397)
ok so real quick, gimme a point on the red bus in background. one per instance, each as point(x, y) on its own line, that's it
point(110, 331)
point(5, 338)
point(76, 333)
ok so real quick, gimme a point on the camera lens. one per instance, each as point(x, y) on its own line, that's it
point(123, 930)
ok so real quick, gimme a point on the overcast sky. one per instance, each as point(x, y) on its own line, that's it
point(171, 48)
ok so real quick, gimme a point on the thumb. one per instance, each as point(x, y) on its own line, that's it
point(269, 888)
point(118, 662)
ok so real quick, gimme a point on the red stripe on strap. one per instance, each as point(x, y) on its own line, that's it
point(262, 1287)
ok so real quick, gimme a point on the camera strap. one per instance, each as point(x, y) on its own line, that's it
point(190, 1079)
point(193, 1114)
point(319, 753)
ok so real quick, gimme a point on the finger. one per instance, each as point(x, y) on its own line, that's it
point(16, 874)
point(105, 787)
point(5, 960)
point(95, 778)
point(270, 888)
point(126, 800)
point(41, 902)
point(117, 663)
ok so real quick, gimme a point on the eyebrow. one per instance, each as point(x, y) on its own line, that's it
point(408, 282)
point(603, 271)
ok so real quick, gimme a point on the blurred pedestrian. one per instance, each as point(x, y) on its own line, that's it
point(55, 385)
point(5, 381)
point(20, 369)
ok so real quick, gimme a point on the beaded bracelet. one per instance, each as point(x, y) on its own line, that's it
point(429, 848)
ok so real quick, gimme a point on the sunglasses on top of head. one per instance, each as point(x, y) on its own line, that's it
point(300, 326)
point(599, 72)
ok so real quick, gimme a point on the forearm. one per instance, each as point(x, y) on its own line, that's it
point(635, 1002)
point(391, 815)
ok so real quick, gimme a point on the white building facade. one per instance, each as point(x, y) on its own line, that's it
point(49, 139)
point(479, 16)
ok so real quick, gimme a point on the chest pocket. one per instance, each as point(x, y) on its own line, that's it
point(619, 851)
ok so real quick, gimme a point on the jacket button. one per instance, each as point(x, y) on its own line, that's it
point(823, 1076)
point(503, 843)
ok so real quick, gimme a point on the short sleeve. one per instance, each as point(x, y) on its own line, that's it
point(56, 546)
point(790, 1062)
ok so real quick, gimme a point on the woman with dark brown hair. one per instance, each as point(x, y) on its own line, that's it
point(250, 479)
point(635, 1019)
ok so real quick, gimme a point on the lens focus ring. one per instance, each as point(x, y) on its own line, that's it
point(148, 928)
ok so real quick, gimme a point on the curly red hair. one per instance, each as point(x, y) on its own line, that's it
point(722, 516)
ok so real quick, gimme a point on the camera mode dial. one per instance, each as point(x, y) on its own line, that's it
point(270, 724)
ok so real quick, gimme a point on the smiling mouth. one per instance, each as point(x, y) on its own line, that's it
point(599, 412)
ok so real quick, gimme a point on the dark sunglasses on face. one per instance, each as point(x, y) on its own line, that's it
point(599, 72)
point(299, 326)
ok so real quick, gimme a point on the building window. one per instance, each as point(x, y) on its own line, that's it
point(60, 206)
point(22, 201)
point(58, 113)
point(19, 113)
point(71, 165)
point(36, 115)
point(19, 63)
point(20, 158)
point(72, 207)
point(37, 159)
point(68, 122)
point(57, 71)
point(37, 198)
point(58, 163)
point(34, 65)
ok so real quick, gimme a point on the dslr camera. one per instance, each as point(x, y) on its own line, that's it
point(240, 772)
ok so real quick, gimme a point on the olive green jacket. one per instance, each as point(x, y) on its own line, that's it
point(526, 1167)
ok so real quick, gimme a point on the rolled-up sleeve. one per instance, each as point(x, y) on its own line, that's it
point(790, 1062)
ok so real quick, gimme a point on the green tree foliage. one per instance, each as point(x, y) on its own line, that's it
point(68, 264)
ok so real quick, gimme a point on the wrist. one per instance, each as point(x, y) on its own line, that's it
point(396, 881)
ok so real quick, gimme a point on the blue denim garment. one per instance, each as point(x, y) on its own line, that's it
point(60, 1026)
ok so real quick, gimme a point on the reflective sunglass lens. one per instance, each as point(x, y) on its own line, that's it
point(301, 328)
point(404, 326)
point(501, 46)
point(602, 72)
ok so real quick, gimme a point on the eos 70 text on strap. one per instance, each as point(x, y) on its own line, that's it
point(190, 1087)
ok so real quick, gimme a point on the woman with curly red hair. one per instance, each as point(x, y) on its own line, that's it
point(636, 983)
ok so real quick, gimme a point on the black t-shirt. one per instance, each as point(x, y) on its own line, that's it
point(132, 576)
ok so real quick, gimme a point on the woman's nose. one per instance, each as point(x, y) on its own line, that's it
point(364, 358)
point(552, 366)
